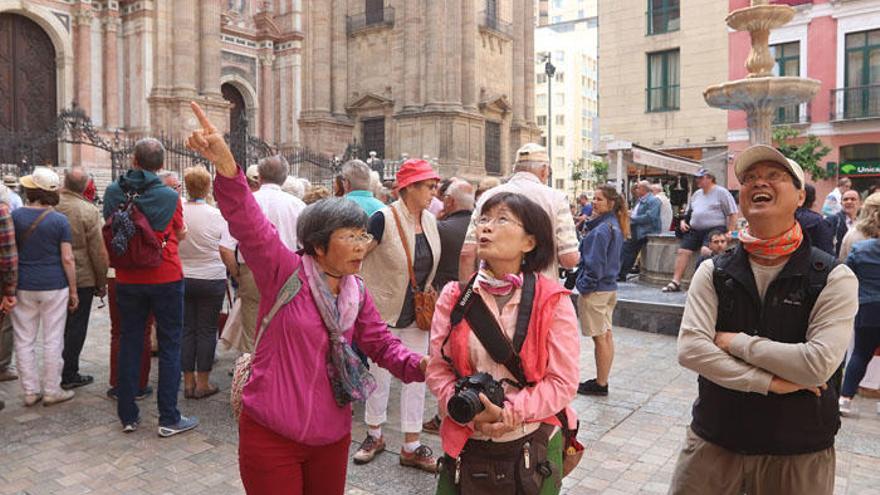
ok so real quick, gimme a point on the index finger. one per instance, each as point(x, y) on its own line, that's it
point(203, 119)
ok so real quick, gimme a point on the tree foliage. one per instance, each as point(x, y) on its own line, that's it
point(808, 153)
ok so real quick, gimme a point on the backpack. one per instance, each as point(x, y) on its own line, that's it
point(129, 238)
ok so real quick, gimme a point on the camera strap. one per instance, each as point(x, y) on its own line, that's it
point(470, 306)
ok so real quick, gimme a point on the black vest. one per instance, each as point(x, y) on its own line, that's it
point(751, 423)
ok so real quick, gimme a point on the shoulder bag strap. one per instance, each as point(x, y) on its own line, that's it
point(525, 312)
point(409, 261)
point(33, 227)
point(287, 292)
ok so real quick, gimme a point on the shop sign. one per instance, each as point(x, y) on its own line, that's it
point(860, 168)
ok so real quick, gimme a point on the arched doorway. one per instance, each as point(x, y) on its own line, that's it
point(27, 92)
point(238, 122)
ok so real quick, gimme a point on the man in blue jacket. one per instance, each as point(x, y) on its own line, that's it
point(644, 220)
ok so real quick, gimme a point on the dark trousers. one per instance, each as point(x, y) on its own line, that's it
point(202, 301)
point(116, 330)
point(75, 333)
point(7, 341)
point(136, 302)
point(631, 249)
point(867, 340)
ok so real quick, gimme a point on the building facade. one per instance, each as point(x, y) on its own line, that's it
point(134, 66)
point(837, 43)
point(655, 59)
point(450, 80)
point(569, 119)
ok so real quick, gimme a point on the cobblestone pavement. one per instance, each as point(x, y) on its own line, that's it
point(633, 436)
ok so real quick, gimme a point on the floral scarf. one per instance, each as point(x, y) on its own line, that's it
point(783, 245)
point(496, 286)
point(349, 378)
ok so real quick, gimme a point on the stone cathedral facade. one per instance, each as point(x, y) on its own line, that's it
point(448, 79)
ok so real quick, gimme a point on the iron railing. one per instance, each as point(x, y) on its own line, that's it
point(856, 102)
point(492, 22)
point(792, 115)
point(373, 18)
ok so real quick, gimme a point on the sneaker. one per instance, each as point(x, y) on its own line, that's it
point(845, 406)
point(432, 426)
point(32, 399)
point(143, 394)
point(63, 396)
point(131, 427)
point(186, 423)
point(421, 458)
point(592, 387)
point(77, 381)
point(8, 375)
point(369, 448)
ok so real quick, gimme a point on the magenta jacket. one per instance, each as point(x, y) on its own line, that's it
point(289, 391)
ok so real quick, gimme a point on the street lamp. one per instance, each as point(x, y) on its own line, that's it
point(550, 70)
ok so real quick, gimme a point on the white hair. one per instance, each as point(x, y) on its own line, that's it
point(463, 193)
point(294, 186)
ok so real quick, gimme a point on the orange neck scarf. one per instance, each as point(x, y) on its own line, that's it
point(776, 247)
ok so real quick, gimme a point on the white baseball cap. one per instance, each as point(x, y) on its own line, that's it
point(42, 178)
point(532, 152)
point(763, 153)
point(253, 173)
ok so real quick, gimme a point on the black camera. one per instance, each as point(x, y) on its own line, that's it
point(465, 404)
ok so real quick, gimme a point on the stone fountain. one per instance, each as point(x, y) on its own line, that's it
point(761, 93)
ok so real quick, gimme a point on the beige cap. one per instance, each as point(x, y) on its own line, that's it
point(872, 200)
point(42, 178)
point(763, 153)
point(532, 152)
point(10, 180)
point(253, 173)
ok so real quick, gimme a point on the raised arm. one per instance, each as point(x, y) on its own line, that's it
point(258, 240)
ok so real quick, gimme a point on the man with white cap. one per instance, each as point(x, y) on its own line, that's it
point(766, 327)
point(253, 177)
point(531, 172)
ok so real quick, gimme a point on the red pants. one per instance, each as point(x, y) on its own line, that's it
point(273, 465)
point(115, 327)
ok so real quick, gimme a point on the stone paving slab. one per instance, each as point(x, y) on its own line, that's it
point(633, 436)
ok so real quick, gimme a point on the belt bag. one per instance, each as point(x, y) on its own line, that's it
point(424, 300)
point(518, 467)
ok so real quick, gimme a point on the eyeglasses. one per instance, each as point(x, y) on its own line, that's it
point(353, 239)
point(501, 221)
point(773, 176)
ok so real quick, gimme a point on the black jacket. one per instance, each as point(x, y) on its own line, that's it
point(751, 423)
point(817, 229)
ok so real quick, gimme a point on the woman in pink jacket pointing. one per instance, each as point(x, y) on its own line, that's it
point(295, 425)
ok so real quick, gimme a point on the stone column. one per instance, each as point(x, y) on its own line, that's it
point(435, 54)
point(184, 48)
point(339, 77)
point(111, 25)
point(209, 30)
point(267, 97)
point(321, 58)
point(529, 69)
point(519, 58)
point(468, 54)
point(82, 41)
point(454, 59)
point(412, 76)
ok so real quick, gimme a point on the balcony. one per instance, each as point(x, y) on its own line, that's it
point(374, 19)
point(491, 22)
point(855, 103)
point(792, 115)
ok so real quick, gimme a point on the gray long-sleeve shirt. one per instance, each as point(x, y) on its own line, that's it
point(753, 361)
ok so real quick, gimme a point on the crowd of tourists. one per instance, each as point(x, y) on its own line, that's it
point(453, 289)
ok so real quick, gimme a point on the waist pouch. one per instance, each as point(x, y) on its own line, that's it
point(518, 467)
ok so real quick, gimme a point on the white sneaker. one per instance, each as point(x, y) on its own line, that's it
point(32, 399)
point(64, 395)
point(845, 406)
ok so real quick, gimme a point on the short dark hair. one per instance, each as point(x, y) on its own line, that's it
point(809, 195)
point(535, 222)
point(149, 154)
point(46, 198)
point(713, 233)
point(273, 170)
point(319, 220)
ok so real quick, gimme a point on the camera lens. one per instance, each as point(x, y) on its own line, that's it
point(462, 407)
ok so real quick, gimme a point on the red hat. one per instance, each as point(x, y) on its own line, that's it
point(415, 170)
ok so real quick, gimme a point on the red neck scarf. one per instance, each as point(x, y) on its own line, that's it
point(776, 247)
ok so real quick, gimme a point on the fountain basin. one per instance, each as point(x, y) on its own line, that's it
point(760, 17)
point(761, 93)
